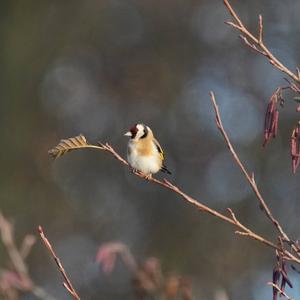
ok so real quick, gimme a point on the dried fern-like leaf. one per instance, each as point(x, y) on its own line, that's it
point(68, 145)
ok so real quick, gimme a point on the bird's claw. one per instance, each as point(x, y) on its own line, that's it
point(131, 168)
point(148, 176)
point(137, 172)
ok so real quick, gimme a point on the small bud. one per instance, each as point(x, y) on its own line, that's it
point(40, 229)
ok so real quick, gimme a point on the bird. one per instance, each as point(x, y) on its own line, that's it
point(144, 152)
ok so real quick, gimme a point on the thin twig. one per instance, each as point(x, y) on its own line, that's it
point(257, 43)
point(250, 178)
point(281, 292)
point(67, 283)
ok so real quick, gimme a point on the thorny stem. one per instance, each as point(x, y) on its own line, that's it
point(257, 43)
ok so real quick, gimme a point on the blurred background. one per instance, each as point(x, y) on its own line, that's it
point(98, 67)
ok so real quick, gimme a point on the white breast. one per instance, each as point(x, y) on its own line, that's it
point(146, 164)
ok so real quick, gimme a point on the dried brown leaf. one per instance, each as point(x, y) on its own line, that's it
point(68, 145)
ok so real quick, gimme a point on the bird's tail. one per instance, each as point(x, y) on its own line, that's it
point(165, 170)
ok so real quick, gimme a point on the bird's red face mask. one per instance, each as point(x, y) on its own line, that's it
point(132, 132)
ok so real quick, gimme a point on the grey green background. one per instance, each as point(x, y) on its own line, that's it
point(96, 68)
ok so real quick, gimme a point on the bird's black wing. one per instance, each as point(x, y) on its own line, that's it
point(161, 152)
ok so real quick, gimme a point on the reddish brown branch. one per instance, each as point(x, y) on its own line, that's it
point(166, 184)
point(67, 283)
point(257, 43)
point(250, 178)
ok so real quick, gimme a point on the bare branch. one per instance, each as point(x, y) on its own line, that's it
point(67, 283)
point(259, 45)
point(251, 45)
point(248, 176)
point(233, 25)
point(281, 292)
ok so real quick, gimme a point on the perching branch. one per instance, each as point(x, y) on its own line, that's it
point(257, 43)
point(67, 283)
point(242, 229)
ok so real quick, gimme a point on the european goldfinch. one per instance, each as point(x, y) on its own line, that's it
point(144, 152)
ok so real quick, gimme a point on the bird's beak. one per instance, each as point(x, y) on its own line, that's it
point(128, 133)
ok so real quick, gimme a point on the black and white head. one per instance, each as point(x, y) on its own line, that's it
point(138, 131)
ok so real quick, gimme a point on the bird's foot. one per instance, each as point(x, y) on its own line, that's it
point(133, 170)
point(137, 172)
point(148, 176)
